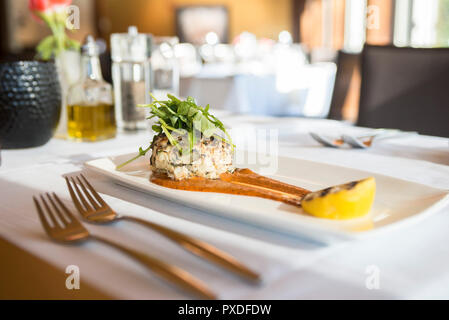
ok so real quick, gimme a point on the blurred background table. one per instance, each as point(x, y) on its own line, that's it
point(306, 92)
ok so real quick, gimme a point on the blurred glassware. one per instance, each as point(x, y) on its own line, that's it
point(207, 53)
point(212, 38)
point(245, 46)
point(90, 107)
point(224, 53)
point(188, 59)
point(165, 68)
point(30, 103)
point(131, 74)
point(218, 53)
point(285, 37)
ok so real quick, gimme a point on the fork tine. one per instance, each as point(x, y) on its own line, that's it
point(41, 215)
point(74, 197)
point(80, 195)
point(87, 194)
point(50, 212)
point(95, 193)
point(66, 210)
point(58, 212)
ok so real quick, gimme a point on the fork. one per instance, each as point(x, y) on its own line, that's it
point(336, 143)
point(340, 142)
point(358, 142)
point(70, 230)
point(363, 143)
point(98, 211)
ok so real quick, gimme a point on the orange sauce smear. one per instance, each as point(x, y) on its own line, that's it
point(241, 182)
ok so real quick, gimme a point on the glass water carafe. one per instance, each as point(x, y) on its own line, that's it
point(165, 68)
point(131, 73)
point(90, 109)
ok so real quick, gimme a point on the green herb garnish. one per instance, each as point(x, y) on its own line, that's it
point(182, 117)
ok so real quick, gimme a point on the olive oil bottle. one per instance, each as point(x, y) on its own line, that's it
point(90, 109)
point(91, 123)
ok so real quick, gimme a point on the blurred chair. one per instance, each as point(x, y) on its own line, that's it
point(405, 88)
point(346, 82)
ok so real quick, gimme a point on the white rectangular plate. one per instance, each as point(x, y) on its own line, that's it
point(398, 202)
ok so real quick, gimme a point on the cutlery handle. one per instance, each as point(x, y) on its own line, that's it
point(202, 249)
point(394, 134)
point(171, 273)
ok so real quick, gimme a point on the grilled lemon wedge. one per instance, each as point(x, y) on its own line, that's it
point(346, 201)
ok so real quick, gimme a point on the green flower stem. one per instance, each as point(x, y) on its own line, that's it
point(52, 46)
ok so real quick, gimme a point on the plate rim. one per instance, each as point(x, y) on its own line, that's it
point(334, 233)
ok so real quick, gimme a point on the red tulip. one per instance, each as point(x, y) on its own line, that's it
point(39, 5)
point(48, 5)
point(59, 4)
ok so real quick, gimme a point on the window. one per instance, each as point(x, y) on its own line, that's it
point(421, 23)
point(355, 16)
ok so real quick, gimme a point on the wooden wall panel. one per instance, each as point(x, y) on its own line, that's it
point(265, 18)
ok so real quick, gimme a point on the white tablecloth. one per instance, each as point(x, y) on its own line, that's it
point(413, 263)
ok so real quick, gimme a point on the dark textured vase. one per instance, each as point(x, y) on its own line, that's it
point(30, 103)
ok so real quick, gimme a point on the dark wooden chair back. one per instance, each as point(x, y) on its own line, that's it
point(405, 88)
